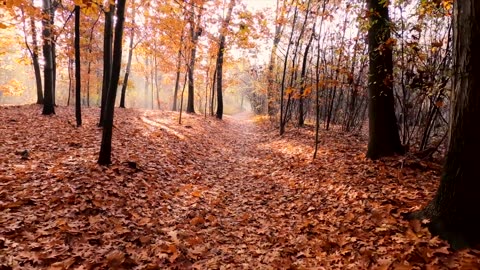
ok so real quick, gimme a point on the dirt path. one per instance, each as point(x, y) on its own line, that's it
point(251, 204)
point(236, 215)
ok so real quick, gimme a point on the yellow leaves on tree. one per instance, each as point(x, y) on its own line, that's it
point(89, 7)
point(12, 88)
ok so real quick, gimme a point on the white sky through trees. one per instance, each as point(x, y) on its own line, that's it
point(260, 4)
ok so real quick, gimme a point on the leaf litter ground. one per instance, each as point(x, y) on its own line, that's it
point(206, 194)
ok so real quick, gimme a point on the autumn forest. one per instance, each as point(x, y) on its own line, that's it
point(239, 134)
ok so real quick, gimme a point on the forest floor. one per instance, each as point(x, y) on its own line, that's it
point(207, 194)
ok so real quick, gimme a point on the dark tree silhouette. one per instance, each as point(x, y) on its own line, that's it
point(129, 62)
point(106, 146)
point(195, 31)
point(454, 213)
point(383, 131)
point(78, 83)
point(221, 52)
point(48, 69)
point(107, 59)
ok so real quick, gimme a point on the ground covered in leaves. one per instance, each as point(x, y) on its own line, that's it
point(206, 194)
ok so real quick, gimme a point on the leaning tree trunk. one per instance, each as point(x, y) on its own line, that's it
point(454, 212)
point(129, 62)
point(78, 84)
point(383, 131)
point(107, 60)
point(221, 51)
point(48, 105)
point(106, 146)
point(127, 71)
point(34, 54)
point(36, 63)
point(177, 73)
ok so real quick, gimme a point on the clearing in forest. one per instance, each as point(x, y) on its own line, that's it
point(206, 194)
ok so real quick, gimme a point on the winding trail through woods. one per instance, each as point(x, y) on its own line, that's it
point(241, 201)
point(256, 198)
point(206, 194)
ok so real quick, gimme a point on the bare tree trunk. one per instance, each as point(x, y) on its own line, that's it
point(78, 84)
point(384, 139)
point(48, 106)
point(285, 64)
point(454, 211)
point(89, 66)
point(34, 54)
point(195, 32)
point(129, 62)
point(181, 99)
point(106, 145)
point(70, 80)
point(107, 59)
point(177, 74)
point(214, 87)
point(221, 51)
point(271, 98)
point(301, 118)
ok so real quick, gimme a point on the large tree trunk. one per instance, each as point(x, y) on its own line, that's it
point(454, 211)
point(48, 106)
point(78, 84)
point(106, 146)
point(221, 51)
point(195, 32)
point(383, 131)
point(107, 59)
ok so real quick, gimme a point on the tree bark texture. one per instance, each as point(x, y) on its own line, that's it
point(107, 59)
point(384, 139)
point(78, 82)
point(221, 52)
point(195, 32)
point(106, 146)
point(48, 105)
point(454, 212)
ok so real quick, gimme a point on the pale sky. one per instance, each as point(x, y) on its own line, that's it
point(260, 4)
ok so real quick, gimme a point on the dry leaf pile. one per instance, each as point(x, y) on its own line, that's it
point(206, 194)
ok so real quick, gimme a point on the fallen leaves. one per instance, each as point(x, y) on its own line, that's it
point(219, 194)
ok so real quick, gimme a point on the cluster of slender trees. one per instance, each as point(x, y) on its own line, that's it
point(402, 86)
point(320, 69)
point(191, 17)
